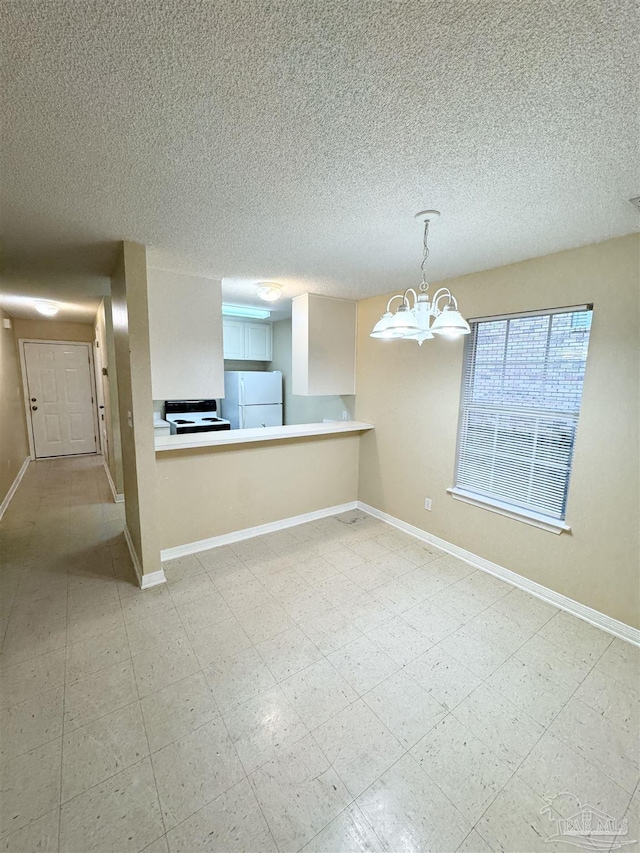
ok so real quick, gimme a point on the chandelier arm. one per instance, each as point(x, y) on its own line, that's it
point(397, 296)
point(443, 291)
point(415, 296)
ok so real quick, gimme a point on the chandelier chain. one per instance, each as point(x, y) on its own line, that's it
point(424, 285)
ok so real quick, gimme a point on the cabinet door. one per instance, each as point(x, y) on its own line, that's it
point(323, 346)
point(257, 341)
point(233, 339)
point(185, 336)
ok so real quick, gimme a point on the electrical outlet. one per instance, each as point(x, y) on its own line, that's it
point(427, 503)
point(345, 415)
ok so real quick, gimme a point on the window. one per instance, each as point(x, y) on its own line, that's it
point(521, 392)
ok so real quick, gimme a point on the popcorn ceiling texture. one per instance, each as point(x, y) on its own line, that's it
point(294, 139)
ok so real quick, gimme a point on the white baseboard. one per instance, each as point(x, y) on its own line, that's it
point(14, 486)
point(250, 532)
point(588, 614)
point(562, 602)
point(117, 497)
point(151, 578)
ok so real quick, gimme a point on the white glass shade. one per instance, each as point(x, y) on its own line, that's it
point(382, 330)
point(404, 321)
point(450, 323)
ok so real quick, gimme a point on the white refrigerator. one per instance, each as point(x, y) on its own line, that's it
point(252, 398)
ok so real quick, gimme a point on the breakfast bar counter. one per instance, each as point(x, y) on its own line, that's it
point(249, 436)
point(217, 483)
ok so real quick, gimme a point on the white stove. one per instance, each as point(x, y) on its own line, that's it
point(188, 416)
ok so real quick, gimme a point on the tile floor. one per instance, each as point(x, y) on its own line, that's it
point(334, 687)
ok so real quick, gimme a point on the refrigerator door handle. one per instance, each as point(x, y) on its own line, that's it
point(242, 417)
point(242, 390)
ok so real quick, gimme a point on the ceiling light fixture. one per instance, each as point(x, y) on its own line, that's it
point(425, 319)
point(270, 291)
point(244, 311)
point(49, 309)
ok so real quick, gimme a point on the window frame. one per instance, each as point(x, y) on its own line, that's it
point(503, 507)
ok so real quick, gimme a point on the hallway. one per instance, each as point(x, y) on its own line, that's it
point(64, 572)
point(335, 686)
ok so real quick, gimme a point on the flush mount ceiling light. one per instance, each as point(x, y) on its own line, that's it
point(425, 319)
point(244, 311)
point(270, 291)
point(49, 309)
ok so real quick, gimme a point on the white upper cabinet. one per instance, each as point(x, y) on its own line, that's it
point(233, 337)
point(246, 340)
point(323, 346)
point(257, 341)
point(185, 336)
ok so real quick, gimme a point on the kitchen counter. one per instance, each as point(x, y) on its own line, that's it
point(249, 436)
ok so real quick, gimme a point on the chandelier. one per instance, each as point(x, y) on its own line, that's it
point(426, 318)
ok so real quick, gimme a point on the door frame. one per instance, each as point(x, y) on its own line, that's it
point(25, 392)
point(98, 366)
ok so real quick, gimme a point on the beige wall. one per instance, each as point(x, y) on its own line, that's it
point(14, 445)
point(131, 336)
point(110, 420)
point(261, 366)
point(297, 409)
point(412, 395)
point(210, 491)
point(52, 330)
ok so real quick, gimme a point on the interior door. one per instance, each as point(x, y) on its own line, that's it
point(60, 398)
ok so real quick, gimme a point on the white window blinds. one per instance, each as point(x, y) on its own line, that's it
point(521, 392)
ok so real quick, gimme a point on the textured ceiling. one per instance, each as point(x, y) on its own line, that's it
point(293, 140)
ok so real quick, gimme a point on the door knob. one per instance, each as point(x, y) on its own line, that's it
point(35, 408)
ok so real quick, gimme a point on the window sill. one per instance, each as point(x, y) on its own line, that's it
point(553, 525)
